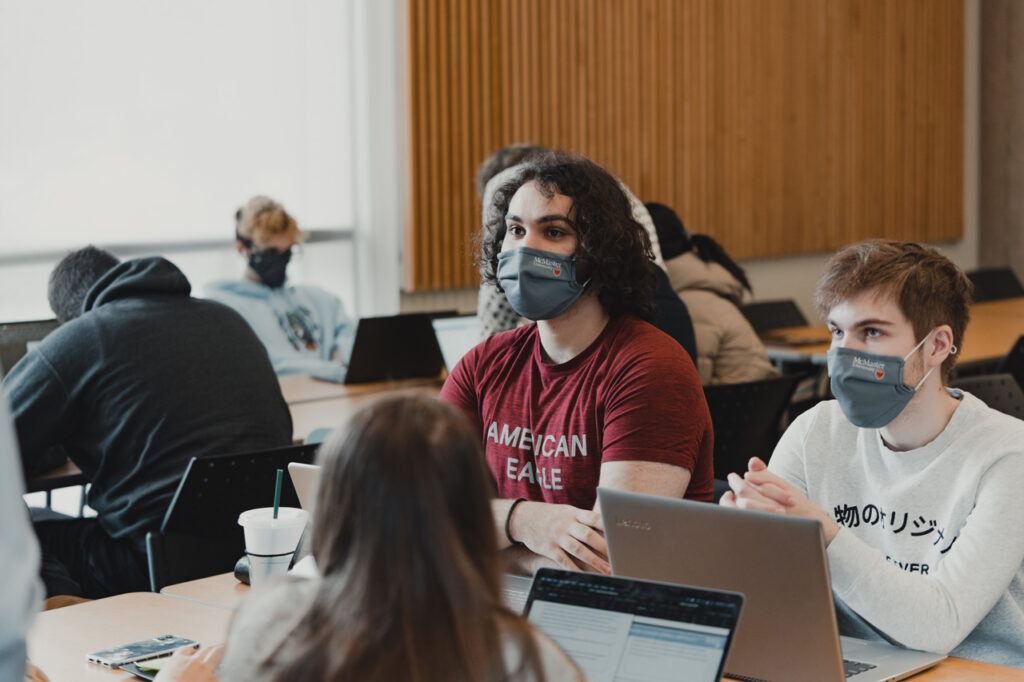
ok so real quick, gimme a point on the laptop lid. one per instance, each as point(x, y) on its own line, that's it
point(456, 335)
point(305, 480)
point(394, 347)
point(788, 631)
point(618, 628)
point(17, 338)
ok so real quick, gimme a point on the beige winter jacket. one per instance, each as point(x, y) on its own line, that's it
point(728, 349)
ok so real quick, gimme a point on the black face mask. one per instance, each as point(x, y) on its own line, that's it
point(270, 265)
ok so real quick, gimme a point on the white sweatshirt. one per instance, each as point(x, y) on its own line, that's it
point(931, 545)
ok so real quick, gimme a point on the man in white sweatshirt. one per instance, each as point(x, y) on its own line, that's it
point(917, 485)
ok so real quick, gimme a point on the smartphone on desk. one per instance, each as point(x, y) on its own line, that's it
point(164, 645)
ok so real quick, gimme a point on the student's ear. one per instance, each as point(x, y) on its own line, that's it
point(941, 344)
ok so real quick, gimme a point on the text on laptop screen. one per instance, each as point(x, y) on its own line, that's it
point(634, 631)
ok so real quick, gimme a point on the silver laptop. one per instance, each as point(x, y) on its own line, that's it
point(788, 632)
point(622, 630)
point(305, 479)
point(456, 335)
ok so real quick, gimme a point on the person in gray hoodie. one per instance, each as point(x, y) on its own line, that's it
point(711, 285)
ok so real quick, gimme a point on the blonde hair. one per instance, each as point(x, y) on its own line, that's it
point(262, 219)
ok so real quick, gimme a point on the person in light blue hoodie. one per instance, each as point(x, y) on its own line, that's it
point(304, 328)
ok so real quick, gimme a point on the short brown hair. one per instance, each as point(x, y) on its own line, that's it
point(928, 287)
point(262, 219)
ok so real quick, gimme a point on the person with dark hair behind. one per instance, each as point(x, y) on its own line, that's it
point(711, 285)
point(590, 394)
point(72, 279)
point(137, 379)
point(410, 576)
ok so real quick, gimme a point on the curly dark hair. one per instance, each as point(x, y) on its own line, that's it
point(613, 249)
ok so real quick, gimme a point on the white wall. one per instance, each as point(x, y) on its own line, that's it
point(147, 121)
point(141, 122)
point(371, 129)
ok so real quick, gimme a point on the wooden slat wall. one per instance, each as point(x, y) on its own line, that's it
point(777, 126)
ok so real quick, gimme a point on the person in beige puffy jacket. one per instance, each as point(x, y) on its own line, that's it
point(711, 285)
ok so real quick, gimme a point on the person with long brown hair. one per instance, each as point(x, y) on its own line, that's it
point(410, 585)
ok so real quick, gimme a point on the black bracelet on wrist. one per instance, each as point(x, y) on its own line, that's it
point(508, 521)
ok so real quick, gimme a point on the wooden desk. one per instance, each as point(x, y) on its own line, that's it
point(991, 333)
point(60, 639)
point(331, 412)
point(221, 591)
point(299, 388)
point(962, 670)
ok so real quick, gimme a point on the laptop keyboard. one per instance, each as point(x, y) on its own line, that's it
point(852, 668)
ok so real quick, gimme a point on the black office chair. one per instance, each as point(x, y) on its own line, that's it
point(992, 284)
point(1013, 363)
point(15, 337)
point(747, 420)
point(764, 316)
point(200, 535)
point(998, 391)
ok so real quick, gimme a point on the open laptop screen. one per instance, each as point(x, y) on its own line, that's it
point(456, 335)
point(625, 630)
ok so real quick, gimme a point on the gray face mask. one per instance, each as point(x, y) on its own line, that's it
point(869, 387)
point(539, 285)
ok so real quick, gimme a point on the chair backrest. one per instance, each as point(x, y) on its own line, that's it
point(15, 337)
point(992, 284)
point(1013, 363)
point(746, 419)
point(200, 535)
point(998, 391)
point(765, 316)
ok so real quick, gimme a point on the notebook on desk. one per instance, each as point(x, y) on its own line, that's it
point(392, 348)
point(789, 630)
point(618, 628)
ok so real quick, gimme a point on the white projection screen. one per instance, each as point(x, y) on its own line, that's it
point(137, 121)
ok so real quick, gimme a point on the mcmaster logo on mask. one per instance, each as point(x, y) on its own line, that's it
point(871, 367)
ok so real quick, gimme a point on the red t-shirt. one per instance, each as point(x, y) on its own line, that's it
point(633, 394)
